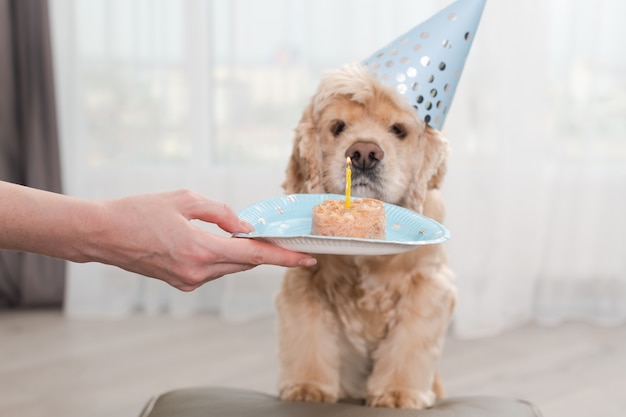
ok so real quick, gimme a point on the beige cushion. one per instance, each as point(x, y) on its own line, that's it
point(228, 402)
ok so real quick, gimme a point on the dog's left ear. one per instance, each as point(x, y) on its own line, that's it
point(433, 148)
point(440, 172)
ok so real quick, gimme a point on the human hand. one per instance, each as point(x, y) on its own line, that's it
point(152, 235)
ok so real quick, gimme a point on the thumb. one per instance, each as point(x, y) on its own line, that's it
point(219, 213)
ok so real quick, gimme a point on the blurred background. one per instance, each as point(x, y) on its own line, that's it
point(154, 95)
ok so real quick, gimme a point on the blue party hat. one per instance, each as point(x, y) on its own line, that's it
point(425, 63)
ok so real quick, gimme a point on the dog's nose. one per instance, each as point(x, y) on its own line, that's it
point(365, 155)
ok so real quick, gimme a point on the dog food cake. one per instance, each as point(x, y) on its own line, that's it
point(365, 218)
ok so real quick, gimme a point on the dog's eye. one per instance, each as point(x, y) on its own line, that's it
point(337, 128)
point(398, 130)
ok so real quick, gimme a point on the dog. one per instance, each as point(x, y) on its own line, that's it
point(369, 328)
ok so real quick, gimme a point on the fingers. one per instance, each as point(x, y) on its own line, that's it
point(222, 256)
point(213, 272)
point(243, 255)
point(257, 253)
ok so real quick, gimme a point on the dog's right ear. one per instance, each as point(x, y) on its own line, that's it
point(304, 173)
point(433, 150)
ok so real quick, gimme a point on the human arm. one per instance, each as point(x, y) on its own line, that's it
point(149, 234)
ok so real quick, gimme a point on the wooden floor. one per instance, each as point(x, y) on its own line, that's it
point(53, 367)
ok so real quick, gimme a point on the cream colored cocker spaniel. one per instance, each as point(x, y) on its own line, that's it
point(366, 327)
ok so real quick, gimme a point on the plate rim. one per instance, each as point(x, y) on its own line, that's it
point(445, 236)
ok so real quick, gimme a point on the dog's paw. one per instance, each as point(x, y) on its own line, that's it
point(408, 399)
point(307, 392)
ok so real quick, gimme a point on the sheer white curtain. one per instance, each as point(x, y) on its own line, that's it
point(537, 184)
point(163, 94)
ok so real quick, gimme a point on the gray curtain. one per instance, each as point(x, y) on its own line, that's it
point(29, 151)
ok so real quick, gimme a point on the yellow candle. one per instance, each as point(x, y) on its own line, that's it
point(348, 181)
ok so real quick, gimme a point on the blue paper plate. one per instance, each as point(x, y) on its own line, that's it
point(286, 221)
